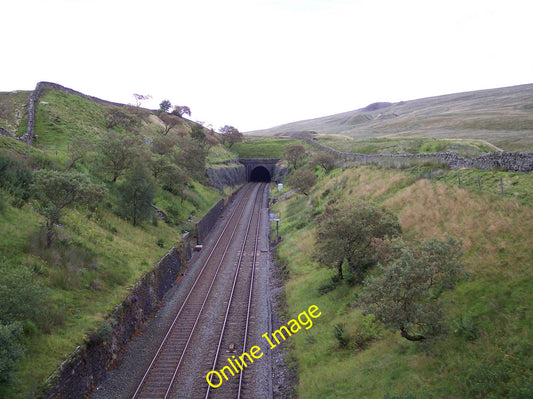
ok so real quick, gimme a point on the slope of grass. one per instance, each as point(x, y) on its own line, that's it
point(488, 350)
point(500, 116)
point(465, 148)
point(253, 147)
point(13, 111)
point(96, 256)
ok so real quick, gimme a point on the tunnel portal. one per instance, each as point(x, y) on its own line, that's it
point(260, 170)
point(260, 174)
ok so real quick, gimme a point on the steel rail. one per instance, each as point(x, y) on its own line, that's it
point(231, 297)
point(240, 203)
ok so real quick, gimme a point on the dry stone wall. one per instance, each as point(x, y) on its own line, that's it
point(507, 161)
point(33, 101)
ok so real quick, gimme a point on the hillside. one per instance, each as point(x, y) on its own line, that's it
point(503, 117)
point(86, 210)
point(485, 349)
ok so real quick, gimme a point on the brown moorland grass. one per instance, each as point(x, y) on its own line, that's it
point(487, 351)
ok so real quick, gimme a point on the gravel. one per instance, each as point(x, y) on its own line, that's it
point(273, 379)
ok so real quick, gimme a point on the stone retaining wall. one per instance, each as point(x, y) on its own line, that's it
point(232, 174)
point(87, 366)
point(206, 224)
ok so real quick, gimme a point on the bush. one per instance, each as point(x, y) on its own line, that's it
point(342, 337)
point(10, 348)
point(21, 295)
point(15, 176)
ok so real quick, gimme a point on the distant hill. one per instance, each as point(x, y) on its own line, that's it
point(503, 117)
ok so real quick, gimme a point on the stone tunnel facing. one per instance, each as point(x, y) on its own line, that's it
point(260, 174)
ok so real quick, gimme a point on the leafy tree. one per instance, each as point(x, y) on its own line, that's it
point(198, 134)
point(324, 159)
point(164, 145)
point(58, 190)
point(164, 106)
point(404, 295)
point(136, 193)
point(173, 179)
point(180, 110)
point(15, 175)
point(346, 231)
point(10, 348)
point(22, 297)
point(302, 180)
point(191, 158)
point(78, 150)
point(119, 120)
point(170, 121)
point(116, 152)
point(294, 153)
point(230, 135)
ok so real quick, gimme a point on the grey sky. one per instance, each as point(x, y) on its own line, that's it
point(259, 63)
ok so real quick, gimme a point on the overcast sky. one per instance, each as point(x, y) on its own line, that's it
point(259, 63)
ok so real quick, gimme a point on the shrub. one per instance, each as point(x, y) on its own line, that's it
point(342, 337)
point(10, 348)
point(405, 295)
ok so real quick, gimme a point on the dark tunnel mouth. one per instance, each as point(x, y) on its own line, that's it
point(260, 174)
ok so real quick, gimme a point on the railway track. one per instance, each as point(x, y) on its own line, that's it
point(228, 285)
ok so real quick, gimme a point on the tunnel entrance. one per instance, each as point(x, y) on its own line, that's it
point(260, 174)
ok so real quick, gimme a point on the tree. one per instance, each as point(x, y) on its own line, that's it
point(170, 121)
point(197, 133)
point(404, 295)
point(136, 193)
point(164, 145)
point(164, 106)
point(294, 153)
point(180, 110)
point(302, 180)
point(58, 190)
point(346, 231)
point(324, 159)
point(230, 135)
point(141, 97)
point(191, 157)
point(116, 152)
point(78, 150)
point(10, 348)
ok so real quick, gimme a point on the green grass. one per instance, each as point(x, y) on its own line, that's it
point(219, 154)
point(86, 277)
point(13, 112)
point(262, 147)
point(517, 186)
point(488, 351)
point(465, 148)
point(97, 256)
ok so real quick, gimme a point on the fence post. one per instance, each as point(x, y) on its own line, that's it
point(501, 185)
point(459, 178)
point(479, 182)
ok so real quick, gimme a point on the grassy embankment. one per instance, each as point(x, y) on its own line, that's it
point(488, 350)
point(262, 147)
point(97, 256)
point(418, 145)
